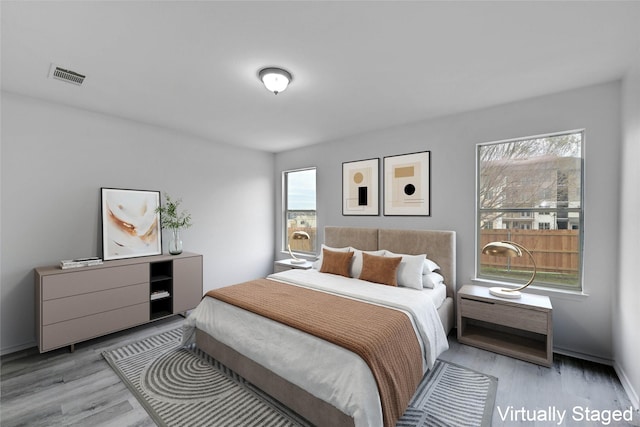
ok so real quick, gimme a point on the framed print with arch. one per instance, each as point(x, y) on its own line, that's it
point(360, 187)
point(407, 184)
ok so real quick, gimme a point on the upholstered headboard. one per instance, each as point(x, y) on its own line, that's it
point(440, 246)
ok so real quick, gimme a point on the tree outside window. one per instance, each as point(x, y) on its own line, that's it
point(529, 190)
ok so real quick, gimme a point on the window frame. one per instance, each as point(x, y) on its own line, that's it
point(285, 212)
point(535, 211)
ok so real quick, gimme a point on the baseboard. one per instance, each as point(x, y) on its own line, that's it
point(583, 356)
point(16, 348)
point(622, 376)
point(628, 387)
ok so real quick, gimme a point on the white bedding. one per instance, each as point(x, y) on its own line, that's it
point(325, 370)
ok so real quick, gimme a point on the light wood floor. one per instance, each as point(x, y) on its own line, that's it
point(62, 388)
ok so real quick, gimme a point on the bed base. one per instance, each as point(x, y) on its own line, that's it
point(315, 410)
point(447, 314)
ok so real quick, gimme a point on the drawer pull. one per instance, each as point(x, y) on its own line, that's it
point(479, 301)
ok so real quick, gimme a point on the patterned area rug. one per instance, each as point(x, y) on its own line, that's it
point(451, 395)
point(185, 387)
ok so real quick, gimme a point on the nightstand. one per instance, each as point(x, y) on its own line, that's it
point(286, 264)
point(520, 328)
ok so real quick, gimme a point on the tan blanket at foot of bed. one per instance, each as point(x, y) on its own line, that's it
point(383, 337)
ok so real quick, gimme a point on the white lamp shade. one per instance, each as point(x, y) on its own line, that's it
point(275, 80)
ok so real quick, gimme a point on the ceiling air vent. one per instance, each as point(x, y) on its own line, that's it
point(68, 76)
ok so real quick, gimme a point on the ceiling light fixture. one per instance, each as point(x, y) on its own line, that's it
point(275, 79)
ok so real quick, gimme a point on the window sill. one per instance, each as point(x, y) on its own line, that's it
point(537, 290)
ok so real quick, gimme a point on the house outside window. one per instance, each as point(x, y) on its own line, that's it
point(299, 198)
point(529, 190)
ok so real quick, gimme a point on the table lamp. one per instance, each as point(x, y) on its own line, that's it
point(508, 249)
point(297, 235)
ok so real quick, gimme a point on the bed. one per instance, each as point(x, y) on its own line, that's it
point(322, 381)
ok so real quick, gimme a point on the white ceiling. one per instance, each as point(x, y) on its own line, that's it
point(357, 66)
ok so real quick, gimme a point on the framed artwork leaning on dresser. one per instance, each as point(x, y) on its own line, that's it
point(130, 223)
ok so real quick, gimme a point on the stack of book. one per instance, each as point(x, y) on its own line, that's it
point(80, 262)
point(159, 294)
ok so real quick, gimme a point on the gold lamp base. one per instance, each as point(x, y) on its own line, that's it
point(505, 293)
point(297, 261)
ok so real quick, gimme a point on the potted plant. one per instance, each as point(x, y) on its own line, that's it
point(173, 219)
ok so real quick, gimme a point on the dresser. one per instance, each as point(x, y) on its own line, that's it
point(78, 304)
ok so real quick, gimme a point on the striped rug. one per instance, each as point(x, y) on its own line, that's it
point(451, 395)
point(185, 387)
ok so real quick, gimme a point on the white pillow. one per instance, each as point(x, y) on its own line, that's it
point(430, 266)
point(318, 262)
point(356, 264)
point(430, 280)
point(410, 270)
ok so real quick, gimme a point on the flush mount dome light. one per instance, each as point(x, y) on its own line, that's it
point(275, 79)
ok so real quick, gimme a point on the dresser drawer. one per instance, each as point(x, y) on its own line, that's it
point(86, 281)
point(75, 305)
point(506, 315)
point(61, 309)
point(72, 331)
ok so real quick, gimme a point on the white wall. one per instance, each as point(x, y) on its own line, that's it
point(626, 308)
point(581, 324)
point(54, 161)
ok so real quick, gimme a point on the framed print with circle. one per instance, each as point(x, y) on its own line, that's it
point(130, 223)
point(407, 184)
point(360, 187)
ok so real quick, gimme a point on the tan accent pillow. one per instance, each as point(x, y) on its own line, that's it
point(380, 269)
point(336, 262)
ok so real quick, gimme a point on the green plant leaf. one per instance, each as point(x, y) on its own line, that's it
point(171, 217)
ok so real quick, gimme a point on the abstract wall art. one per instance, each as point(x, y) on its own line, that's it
point(360, 187)
point(407, 184)
point(130, 223)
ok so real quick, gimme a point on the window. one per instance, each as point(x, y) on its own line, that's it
point(300, 209)
point(529, 191)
